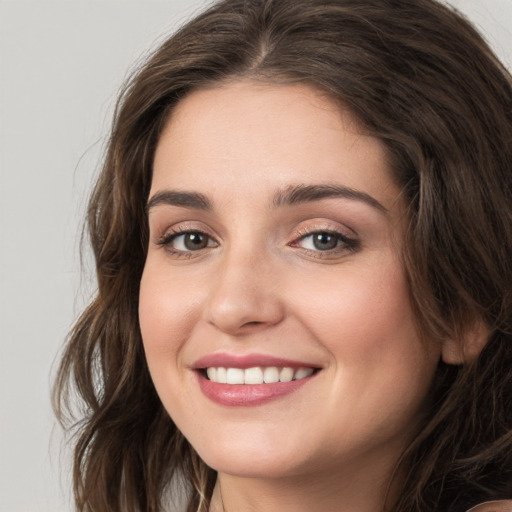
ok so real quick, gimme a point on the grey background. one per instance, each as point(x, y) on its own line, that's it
point(61, 64)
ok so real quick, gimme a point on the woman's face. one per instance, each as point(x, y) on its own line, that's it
point(275, 232)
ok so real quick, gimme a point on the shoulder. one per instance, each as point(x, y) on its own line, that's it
point(493, 506)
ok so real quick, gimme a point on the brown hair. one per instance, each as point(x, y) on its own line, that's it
point(420, 78)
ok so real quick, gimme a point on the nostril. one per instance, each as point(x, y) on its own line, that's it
point(236, 310)
point(251, 326)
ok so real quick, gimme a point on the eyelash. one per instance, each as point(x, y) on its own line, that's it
point(344, 243)
point(167, 240)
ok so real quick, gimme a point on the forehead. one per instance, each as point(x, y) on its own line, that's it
point(256, 138)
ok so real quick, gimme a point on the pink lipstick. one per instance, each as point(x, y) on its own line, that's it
point(250, 380)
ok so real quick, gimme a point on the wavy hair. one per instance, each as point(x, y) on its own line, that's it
point(419, 77)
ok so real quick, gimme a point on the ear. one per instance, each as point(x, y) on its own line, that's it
point(467, 347)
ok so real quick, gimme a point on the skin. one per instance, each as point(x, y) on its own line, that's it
point(260, 285)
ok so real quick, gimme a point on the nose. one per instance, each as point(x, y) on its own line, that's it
point(245, 295)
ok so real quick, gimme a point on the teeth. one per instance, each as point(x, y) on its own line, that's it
point(221, 375)
point(234, 376)
point(286, 374)
point(253, 376)
point(212, 373)
point(270, 375)
point(302, 373)
point(257, 375)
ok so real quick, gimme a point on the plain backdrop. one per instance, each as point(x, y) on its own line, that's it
point(61, 64)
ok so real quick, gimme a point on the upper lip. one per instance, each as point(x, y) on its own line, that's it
point(245, 361)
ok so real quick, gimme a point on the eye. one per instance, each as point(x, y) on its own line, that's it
point(187, 241)
point(321, 241)
point(325, 241)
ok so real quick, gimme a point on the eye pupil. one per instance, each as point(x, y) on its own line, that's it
point(324, 241)
point(195, 241)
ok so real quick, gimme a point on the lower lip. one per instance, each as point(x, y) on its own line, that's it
point(246, 395)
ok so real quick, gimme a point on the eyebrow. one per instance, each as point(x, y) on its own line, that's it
point(298, 194)
point(180, 198)
point(294, 194)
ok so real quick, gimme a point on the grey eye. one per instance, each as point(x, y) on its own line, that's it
point(321, 241)
point(192, 241)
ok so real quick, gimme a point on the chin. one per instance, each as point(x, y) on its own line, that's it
point(252, 459)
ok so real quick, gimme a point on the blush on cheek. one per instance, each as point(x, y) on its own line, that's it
point(153, 320)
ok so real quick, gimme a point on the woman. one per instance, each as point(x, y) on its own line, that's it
point(303, 237)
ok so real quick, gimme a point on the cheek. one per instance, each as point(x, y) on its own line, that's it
point(365, 320)
point(166, 314)
point(360, 307)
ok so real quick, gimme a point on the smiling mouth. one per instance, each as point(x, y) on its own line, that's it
point(256, 375)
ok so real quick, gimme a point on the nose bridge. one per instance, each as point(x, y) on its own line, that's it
point(244, 294)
